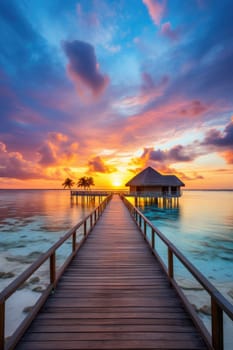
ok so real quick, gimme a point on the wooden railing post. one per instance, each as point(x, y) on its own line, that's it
point(170, 263)
point(85, 228)
point(2, 325)
point(74, 241)
point(217, 325)
point(144, 229)
point(53, 268)
point(95, 216)
point(91, 221)
point(153, 238)
point(140, 221)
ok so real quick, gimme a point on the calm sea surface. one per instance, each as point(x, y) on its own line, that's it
point(202, 228)
point(31, 221)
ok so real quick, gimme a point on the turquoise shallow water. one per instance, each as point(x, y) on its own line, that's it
point(32, 220)
point(202, 228)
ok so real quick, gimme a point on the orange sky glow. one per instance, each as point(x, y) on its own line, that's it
point(107, 88)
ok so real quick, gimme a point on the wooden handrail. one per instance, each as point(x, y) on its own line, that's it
point(54, 275)
point(219, 303)
point(153, 194)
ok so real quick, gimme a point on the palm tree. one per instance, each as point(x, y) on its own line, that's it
point(82, 182)
point(85, 182)
point(68, 183)
point(90, 182)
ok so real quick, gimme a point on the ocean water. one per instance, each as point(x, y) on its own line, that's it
point(31, 221)
point(201, 227)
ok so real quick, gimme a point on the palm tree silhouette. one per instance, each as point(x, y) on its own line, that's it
point(85, 182)
point(68, 183)
point(82, 182)
point(90, 182)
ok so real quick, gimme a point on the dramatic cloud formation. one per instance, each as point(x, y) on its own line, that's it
point(156, 9)
point(220, 139)
point(175, 154)
point(163, 160)
point(58, 150)
point(97, 165)
point(13, 165)
point(83, 68)
point(168, 105)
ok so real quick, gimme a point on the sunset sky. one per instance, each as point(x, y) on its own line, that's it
point(104, 88)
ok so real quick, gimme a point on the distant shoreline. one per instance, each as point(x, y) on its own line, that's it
point(113, 189)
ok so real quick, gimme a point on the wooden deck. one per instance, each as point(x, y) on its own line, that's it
point(114, 295)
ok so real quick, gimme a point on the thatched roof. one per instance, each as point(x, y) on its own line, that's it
point(151, 177)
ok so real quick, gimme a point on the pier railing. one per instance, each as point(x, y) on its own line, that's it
point(154, 194)
point(90, 193)
point(86, 225)
point(219, 304)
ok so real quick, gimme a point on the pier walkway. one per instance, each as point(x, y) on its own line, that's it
point(114, 295)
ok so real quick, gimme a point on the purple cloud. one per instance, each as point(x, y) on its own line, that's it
point(13, 165)
point(177, 153)
point(58, 149)
point(83, 68)
point(220, 139)
point(97, 165)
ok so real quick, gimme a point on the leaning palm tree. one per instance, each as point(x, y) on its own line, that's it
point(82, 182)
point(68, 183)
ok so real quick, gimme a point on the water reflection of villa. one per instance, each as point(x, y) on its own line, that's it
point(150, 183)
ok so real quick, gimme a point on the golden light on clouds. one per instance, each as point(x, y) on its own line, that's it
point(113, 105)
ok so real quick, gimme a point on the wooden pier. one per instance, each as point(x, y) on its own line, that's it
point(113, 295)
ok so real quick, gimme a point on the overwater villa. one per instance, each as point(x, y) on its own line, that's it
point(150, 183)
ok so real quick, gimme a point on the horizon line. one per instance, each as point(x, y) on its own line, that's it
point(106, 189)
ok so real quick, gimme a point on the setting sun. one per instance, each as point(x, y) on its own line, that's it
point(117, 181)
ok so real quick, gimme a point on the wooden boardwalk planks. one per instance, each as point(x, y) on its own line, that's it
point(114, 295)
